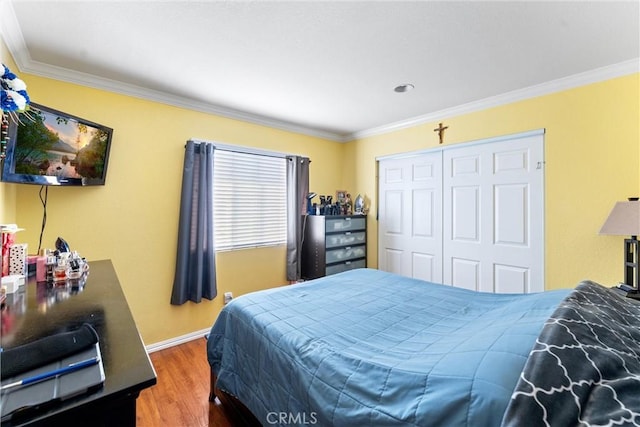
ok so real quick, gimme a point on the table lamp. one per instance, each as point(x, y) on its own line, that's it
point(624, 219)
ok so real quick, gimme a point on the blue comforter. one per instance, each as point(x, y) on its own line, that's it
point(369, 348)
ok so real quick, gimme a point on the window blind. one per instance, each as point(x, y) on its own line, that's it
point(250, 206)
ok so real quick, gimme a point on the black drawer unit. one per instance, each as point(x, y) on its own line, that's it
point(333, 244)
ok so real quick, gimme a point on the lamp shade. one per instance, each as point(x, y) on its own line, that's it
point(624, 219)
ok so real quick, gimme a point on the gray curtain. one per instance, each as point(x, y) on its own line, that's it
point(195, 276)
point(297, 191)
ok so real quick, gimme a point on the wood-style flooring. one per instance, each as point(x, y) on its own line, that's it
point(181, 396)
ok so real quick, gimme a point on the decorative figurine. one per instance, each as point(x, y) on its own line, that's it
point(359, 205)
point(347, 204)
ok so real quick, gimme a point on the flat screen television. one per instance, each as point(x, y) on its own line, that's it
point(49, 147)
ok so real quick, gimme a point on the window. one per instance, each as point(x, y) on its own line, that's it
point(250, 200)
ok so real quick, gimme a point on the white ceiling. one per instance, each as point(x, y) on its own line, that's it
point(325, 68)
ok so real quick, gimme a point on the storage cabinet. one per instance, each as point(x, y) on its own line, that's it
point(333, 244)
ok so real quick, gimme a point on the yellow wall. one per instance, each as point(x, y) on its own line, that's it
point(592, 147)
point(592, 160)
point(133, 219)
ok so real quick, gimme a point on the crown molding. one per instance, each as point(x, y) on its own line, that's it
point(88, 80)
point(565, 83)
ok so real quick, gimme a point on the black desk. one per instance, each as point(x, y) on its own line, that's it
point(42, 310)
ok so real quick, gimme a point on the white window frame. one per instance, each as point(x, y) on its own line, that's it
point(250, 198)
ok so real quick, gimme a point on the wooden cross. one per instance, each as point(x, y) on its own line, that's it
point(440, 129)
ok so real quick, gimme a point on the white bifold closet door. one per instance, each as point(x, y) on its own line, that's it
point(469, 215)
point(410, 216)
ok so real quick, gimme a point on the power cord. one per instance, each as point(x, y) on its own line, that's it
point(44, 188)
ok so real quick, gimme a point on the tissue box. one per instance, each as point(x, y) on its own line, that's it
point(12, 282)
point(18, 259)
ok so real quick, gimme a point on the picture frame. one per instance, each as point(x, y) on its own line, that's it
point(341, 196)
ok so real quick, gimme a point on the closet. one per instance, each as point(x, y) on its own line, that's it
point(468, 215)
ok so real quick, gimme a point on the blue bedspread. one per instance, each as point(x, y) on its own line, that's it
point(369, 348)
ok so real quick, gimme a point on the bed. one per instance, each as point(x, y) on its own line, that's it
point(370, 348)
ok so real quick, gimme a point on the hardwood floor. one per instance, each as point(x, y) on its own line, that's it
point(181, 396)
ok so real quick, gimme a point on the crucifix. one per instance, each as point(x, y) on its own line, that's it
point(440, 129)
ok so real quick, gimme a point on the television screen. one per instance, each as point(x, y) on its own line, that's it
point(49, 147)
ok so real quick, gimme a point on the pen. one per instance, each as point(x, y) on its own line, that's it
point(56, 372)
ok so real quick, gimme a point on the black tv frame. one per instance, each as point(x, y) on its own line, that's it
point(9, 164)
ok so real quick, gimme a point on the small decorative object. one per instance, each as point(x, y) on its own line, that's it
point(13, 92)
point(440, 129)
point(348, 207)
point(359, 205)
point(310, 209)
point(4, 134)
point(13, 99)
point(11, 283)
point(8, 233)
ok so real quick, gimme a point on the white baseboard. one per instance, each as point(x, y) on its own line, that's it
point(177, 340)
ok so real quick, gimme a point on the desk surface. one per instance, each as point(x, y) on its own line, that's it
point(40, 310)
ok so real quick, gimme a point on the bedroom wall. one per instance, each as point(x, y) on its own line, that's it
point(592, 147)
point(592, 139)
point(133, 219)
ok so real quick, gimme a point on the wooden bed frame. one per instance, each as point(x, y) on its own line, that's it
point(236, 410)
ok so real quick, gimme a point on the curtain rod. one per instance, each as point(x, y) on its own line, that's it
point(244, 150)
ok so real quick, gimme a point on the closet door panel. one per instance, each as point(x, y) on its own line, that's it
point(465, 214)
point(410, 216)
point(493, 216)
